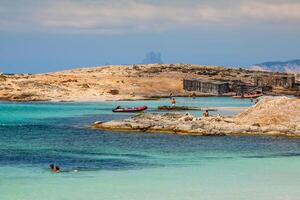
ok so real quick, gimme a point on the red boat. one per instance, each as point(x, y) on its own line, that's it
point(132, 109)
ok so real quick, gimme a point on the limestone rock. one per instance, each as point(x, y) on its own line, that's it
point(262, 118)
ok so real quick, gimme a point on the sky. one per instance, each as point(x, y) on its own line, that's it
point(52, 35)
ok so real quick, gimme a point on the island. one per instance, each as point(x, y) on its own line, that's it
point(143, 81)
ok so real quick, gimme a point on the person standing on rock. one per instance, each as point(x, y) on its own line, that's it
point(206, 114)
point(173, 103)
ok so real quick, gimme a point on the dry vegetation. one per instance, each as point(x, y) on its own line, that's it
point(113, 82)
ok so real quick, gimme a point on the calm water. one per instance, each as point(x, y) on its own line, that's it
point(136, 165)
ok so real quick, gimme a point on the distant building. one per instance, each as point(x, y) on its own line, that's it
point(242, 89)
point(285, 81)
point(206, 86)
point(262, 83)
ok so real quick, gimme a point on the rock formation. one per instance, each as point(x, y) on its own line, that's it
point(271, 116)
point(152, 58)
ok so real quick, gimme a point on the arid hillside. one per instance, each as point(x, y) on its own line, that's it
point(114, 82)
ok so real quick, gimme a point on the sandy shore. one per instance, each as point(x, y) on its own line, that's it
point(272, 116)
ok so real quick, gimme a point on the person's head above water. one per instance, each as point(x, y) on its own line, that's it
point(54, 168)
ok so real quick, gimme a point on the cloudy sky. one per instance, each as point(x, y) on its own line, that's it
point(48, 35)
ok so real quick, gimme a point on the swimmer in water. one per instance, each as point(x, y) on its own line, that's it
point(54, 168)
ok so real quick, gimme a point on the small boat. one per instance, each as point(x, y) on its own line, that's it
point(178, 108)
point(248, 96)
point(130, 109)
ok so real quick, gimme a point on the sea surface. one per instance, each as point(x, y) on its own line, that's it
point(102, 165)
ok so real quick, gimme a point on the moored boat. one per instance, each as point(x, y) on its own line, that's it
point(179, 108)
point(248, 96)
point(130, 109)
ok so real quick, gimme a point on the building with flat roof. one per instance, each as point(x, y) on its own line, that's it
point(206, 86)
point(285, 81)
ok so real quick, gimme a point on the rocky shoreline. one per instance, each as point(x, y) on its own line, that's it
point(260, 119)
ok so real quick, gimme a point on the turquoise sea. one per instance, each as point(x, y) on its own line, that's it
point(101, 165)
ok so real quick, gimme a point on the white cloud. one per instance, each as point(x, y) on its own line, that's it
point(279, 12)
point(140, 16)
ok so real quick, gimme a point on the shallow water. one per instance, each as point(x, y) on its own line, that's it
point(105, 165)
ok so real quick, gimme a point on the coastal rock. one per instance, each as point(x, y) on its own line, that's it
point(265, 118)
point(279, 111)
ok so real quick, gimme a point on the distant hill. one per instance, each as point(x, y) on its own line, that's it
point(291, 66)
point(152, 58)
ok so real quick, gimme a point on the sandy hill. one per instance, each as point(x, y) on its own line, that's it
point(280, 111)
point(113, 82)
